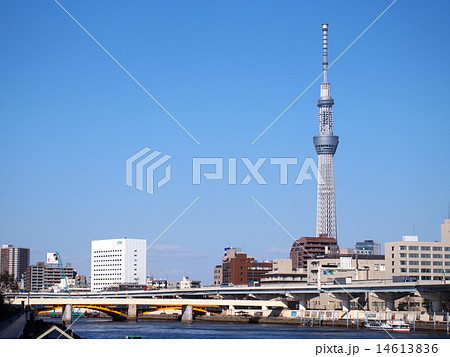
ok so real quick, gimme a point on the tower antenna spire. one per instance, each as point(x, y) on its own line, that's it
point(325, 51)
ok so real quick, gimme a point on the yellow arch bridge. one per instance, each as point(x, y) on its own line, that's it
point(120, 312)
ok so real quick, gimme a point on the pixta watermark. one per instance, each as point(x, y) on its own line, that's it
point(143, 170)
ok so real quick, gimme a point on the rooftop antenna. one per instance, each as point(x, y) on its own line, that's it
point(325, 51)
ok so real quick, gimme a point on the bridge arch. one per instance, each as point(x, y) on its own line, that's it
point(115, 314)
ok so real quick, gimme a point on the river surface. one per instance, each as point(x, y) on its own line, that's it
point(95, 329)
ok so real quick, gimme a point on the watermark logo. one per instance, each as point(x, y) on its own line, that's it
point(142, 167)
point(146, 162)
point(212, 168)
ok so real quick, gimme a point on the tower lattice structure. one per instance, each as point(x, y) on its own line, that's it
point(326, 144)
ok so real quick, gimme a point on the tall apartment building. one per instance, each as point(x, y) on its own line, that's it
point(239, 269)
point(41, 276)
point(413, 260)
point(118, 261)
point(307, 248)
point(368, 247)
point(14, 260)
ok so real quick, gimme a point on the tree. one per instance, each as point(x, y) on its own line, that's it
point(8, 282)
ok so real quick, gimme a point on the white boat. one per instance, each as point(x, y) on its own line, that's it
point(393, 325)
point(399, 326)
point(376, 326)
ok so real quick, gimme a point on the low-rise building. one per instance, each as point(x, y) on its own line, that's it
point(163, 284)
point(368, 247)
point(239, 269)
point(282, 273)
point(335, 267)
point(185, 283)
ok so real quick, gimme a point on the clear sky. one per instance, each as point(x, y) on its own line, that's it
point(70, 117)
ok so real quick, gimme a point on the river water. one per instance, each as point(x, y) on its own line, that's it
point(96, 329)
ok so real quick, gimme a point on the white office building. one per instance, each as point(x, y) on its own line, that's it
point(117, 261)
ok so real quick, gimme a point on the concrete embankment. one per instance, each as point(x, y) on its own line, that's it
point(13, 326)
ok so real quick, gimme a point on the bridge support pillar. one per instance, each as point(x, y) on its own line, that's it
point(187, 316)
point(132, 312)
point(389, 299)
point(437, 305)
point(303, 299)
point(302, 304)
point(67, 314)
point(436, 298)
point(345, 300)
point(390, 304)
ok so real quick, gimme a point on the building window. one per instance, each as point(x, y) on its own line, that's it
point(425, 255)
point(402, 262)
point(437, 263)
point(402, 247)
point(403, 270)
point(413, 247)
point(447, 256)
point(426, 262)
point(438, 271)
point(402, 255)
point(437, 249)
point(447, 249)
point(393, 255)
point(425, 270)
point(425, 248)
point(426, 277)
point(437, 278)
point(413, 270)
point(413, 262)
point(437, 256)
point(413, 255)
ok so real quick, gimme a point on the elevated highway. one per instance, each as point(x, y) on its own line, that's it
point(129, 303)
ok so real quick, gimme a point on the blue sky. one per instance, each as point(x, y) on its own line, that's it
point(70, 117)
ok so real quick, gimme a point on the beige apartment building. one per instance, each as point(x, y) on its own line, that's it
point(352, 267)
point(412, 260)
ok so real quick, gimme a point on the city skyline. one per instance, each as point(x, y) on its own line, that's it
point(71, 117)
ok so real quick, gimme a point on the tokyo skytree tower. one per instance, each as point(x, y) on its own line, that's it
point(326, 144)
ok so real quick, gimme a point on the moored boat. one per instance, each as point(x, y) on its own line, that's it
point(399, 326)
point(395, 325)
point(376, 326)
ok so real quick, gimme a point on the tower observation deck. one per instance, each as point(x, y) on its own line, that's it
point(326, 144)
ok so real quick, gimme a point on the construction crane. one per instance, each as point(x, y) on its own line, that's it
point(63, 273)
